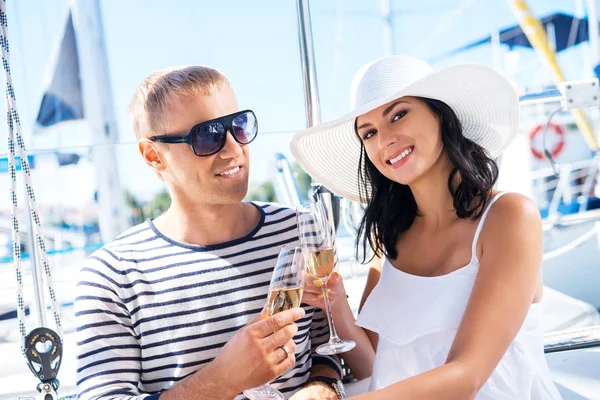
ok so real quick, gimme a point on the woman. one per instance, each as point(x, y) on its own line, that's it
point(453, 311)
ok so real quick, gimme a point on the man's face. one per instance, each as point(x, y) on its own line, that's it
point(202, 180)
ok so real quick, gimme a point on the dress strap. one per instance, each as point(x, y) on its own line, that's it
point(481, 221)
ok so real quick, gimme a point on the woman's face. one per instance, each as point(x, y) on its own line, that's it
point(402, 139)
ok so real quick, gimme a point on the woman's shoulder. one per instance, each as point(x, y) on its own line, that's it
point(512, 213)
point(511, 204)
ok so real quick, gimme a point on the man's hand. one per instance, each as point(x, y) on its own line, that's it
point(316, 391)
point(255, 354)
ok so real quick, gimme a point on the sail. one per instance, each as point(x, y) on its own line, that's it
point(62, 99)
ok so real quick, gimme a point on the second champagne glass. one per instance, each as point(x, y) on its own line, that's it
point(316, 235)
point(285, 292)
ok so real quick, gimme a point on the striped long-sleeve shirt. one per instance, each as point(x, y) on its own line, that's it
point(151, 311)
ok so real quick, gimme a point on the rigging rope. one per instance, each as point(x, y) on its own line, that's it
point(14, 131)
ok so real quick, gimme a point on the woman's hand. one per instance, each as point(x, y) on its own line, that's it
point(313, 291)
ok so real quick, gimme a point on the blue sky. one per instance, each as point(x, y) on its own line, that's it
point(255, 43)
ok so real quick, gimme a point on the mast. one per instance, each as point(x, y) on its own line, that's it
point(100, 114)
point(311, 97)
point(388, 27)
point(309, 70)
point(592, 15)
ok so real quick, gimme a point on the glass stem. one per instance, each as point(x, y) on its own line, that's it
point(333, 337)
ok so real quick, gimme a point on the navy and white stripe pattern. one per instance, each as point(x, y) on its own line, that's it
point(151, 311)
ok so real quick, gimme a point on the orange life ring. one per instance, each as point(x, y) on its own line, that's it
point(558, 147)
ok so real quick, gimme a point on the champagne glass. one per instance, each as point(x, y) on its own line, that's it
point(316, 235)
point(285, 292)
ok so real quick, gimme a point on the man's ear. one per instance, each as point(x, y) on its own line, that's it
point(150, 155)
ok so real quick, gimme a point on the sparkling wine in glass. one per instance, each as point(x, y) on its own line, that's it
point(285, 292)
point(316, 235)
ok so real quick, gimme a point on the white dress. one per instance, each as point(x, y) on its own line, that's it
point(417, 319)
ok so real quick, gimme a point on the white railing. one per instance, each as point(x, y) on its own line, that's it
point(575, 182)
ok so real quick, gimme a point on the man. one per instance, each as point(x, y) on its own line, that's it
point(171, 307)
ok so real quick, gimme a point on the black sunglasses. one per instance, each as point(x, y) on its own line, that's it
point(209, 137)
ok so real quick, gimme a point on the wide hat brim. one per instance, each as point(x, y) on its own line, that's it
point(485, 103)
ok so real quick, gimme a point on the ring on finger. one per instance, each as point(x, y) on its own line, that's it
point(286, 350)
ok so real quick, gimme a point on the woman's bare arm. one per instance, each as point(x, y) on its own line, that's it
point(512, 247)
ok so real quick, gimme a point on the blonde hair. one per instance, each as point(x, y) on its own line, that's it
point(148, 110)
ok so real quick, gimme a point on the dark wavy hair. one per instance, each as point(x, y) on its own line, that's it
point(392, 207)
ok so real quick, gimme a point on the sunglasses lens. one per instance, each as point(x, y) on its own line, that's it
point(245, 127)
point(208, 139)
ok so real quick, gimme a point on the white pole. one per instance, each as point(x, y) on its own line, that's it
point(309, 69)
point(551, 36)
point(311, 94)
point(496, 50)
point(594, 56)
point(593, 31)
point(388, 27)
point(100, 114)
point(587, 64)
point(338, 53)
point(36, 273)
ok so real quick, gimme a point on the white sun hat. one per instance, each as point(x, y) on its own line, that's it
point(484, 101)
